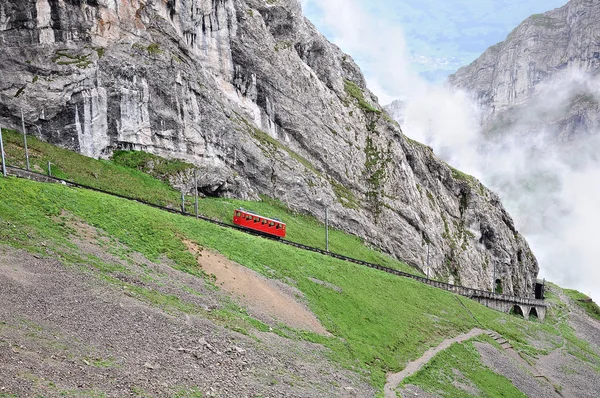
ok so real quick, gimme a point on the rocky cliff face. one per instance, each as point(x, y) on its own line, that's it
point(535, 65)
point(262, 103)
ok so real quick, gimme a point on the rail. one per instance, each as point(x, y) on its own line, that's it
point(463, 291)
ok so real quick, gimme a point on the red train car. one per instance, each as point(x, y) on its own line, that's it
point(268, 226)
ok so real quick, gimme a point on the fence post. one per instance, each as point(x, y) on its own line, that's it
point(182, 203)
point(25, 139)
point(196, 193)
point(49, 169)
point(2, 150)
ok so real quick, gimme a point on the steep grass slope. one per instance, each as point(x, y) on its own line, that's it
point(378, 322)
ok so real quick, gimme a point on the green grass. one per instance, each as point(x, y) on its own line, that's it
point(379, 321)
point(439, 375)
point(127, 175)
point(355, 92)
point(100, 362)
point(101, 174)
point(459, 175)
point(590, 307)
point(304, 229)
point(187, 393)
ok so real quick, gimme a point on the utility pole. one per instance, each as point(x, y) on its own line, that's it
point(25, 139)
point(196, 193)
point(427, 261)
point(2, 150)
point(326, 228)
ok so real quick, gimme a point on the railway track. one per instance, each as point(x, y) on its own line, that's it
point(464, 291)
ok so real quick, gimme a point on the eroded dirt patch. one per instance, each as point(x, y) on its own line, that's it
point(258, 293)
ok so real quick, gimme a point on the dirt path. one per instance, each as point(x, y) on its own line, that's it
point(413, 367)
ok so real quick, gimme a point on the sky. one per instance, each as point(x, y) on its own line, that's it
point(437, 36)
point(407, 48)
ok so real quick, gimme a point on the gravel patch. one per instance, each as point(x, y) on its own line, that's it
point(572, 376)
point(506, 366)
point(64, 331)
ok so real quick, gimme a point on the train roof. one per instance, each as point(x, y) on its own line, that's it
point(258, 215)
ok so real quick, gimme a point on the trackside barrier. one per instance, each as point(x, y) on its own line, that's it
point(461, 290)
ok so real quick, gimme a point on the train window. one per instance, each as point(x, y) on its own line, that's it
point(248, 217)
point(256, 219)
point(264, 222)
point(278, 226)
point(237, 214)
point(271, 224)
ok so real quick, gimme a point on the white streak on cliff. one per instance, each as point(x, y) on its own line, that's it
point(43, 22)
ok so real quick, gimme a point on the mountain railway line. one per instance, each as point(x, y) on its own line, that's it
point(500, 302)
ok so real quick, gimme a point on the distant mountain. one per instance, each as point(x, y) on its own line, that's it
point(542, 75)
point(396, 110)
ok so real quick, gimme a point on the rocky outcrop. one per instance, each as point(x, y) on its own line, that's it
point(546, 61)
point(252, 94)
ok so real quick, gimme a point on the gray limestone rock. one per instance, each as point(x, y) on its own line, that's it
point(251, 93)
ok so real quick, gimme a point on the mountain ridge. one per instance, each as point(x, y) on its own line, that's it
point(540, 59)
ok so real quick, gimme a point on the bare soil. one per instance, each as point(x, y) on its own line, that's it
point(260, 295)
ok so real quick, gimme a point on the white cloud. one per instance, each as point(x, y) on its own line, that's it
point(376, 45)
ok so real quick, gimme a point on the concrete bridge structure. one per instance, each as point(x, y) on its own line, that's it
point(527, 307)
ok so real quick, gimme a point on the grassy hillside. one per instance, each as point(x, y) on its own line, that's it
point(122, 177)
point(378, 321)
point(585, 302)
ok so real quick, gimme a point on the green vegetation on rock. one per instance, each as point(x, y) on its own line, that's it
point(153, 165)
point(459, 175)
point(344, 195)
point(271, 145)
point(355, 92)
point(376, 162)
point(66, 57)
